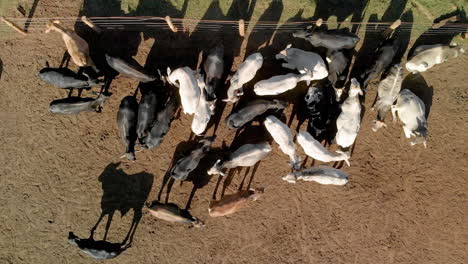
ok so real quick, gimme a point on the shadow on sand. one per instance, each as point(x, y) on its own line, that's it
point(443, 35)
point(97, 249)
point(341, 9)
point(418, 85)
point(374, 36)
point(122, 193)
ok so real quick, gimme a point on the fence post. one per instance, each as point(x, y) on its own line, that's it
point(170, 24)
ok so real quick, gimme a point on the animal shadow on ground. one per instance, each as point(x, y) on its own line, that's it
point(170, 50)
point(250, 134)
point(260, 40)
point(31, 14)
point(198, 177)
point(123, 192)
point(231, 40)
point(182, 149)
point(418, 85)
point(442, 35)
point(260, 37)
point(119, 42)
point(374, 34)
point(91, 245)
point(325, 9)
point(342, 9)
point(227, 34)
point(173, 50)
point(1, 68)
point(122, 42)
point(271, 66)
point(296, 98)
point(283, 35)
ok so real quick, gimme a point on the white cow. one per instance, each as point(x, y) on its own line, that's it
point(245, 156)
point(280, 84)
point(303, 61)
point(412, 113)
point(426, 56)
point(282, 135)
point(321, 174)
point(244, 74)
point(388, 91)
point(348, 122)
point(205, 109)
point(315, 150)
point(185, 79)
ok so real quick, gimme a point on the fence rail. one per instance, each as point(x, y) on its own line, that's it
point(35, 25)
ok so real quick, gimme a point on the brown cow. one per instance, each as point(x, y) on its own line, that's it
point(230, 204)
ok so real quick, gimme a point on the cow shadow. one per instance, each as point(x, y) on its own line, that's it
point(121, 43)
point(198, 35)
point(31, 14)
point(115, 42)
point(443, 35)
point(170, 50)
point(283, 35)
point(1, 68)
point(239, 9)
point(225, 34)
point(268, 41)
point(374, 35)
point(249, 134)
point(198, 177)
point(122, 193)
point(98, 245)
point(122, 39)
point(180, 151)
point(260, 36)
point(232, 42)
point(404, 35)
point(418, 85)
point(342, 9)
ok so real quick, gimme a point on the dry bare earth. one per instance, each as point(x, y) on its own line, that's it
point(403, 204)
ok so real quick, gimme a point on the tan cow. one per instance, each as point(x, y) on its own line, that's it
point(76, 46)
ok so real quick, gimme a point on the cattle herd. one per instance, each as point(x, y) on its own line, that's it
point(334, 112)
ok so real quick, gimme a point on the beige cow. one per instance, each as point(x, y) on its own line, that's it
point(76, 46)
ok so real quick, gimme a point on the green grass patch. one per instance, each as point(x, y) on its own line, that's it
point(8, 6)
point(423, 11)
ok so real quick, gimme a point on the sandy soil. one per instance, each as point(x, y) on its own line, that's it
point(403, 204)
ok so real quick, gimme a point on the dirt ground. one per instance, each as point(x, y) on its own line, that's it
point(58, 174)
